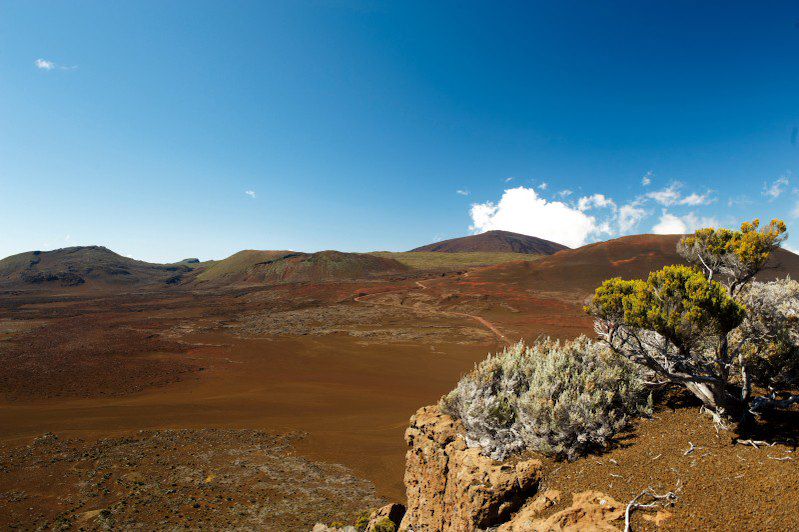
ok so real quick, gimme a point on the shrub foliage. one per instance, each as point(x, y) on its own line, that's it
point(710, 327)
point(563, 399)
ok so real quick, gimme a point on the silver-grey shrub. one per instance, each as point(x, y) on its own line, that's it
point(559, 398)
point(769, 336)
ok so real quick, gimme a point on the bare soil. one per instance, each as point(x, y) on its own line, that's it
point(720, 485)
point(165, 390)
point(167, 479)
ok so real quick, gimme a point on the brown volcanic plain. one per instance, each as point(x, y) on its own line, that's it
point(117, 401)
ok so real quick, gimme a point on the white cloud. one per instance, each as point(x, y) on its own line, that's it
point(522, 210)
point(462, 192)
point(250, 193)
point(695, 222)
point(697, 199)
point(667, 196)
point(543, 186)
point(44, 64)
point(565, 193)
point(795, 211)
point(596, 200)
point(508, 179)
point(671, 224)
point(630, 216)
point(647, 179)
point(776, 189)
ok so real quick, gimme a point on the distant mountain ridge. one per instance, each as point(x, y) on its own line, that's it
point(90, 265)
point(495, 241)
point(255, 266)
point(582, 269)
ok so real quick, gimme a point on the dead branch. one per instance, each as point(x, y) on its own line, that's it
point(691, 449)
point(718, 420)
point(656, 500)
point(755, 443)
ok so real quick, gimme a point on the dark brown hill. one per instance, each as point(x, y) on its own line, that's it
point(86, 266)
point(496, 241)
point(579, 271)
point(256, 267)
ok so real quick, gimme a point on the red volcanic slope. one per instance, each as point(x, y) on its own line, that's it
point(581, 270)
point(496, 241)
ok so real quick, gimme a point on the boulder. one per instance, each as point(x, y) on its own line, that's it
point(393, 512)
point(452, 487)
point(590, 511)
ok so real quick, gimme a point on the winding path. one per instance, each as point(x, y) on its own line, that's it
point(479, 319)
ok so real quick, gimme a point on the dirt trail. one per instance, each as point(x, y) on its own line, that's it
point(479, 319)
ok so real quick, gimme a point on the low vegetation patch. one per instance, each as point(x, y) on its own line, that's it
point(433, 260)
point(559, 398)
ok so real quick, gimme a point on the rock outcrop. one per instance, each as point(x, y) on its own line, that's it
point(384, 519)
point(590, 510)
point(452, 487)
point(389, 514)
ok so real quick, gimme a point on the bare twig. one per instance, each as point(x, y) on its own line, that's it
point(691, 449)
point(718, 421)
point(657, 500)
point(755, 443)
point(780, 458)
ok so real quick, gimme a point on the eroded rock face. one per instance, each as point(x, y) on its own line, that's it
point(391, 512)
point(452, 487)
point(590, 511)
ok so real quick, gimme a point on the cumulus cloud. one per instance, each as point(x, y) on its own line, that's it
point(647, 179)
point(44, 64)
point(543, 186)
point(630, 215)
point(697, 199)
point(596, 200)
point(522, 210)
point(591, 217)
point(667, 196)
point(775, 189)
point(250, 193)
point(671, 224)
point(462, 192)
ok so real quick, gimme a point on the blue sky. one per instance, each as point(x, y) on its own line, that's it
point(354, 125)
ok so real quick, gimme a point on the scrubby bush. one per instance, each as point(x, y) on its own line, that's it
point(769, 336)
point(362, 521)
point(710, 327)
point(562, 399)
point(384, 525)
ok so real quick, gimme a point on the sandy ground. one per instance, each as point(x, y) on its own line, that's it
point(307, 383)
point(345, 374)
